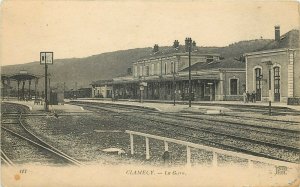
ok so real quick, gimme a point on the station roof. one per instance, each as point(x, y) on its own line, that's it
point(23, 76)
point(229, 63)
point(287, 40)
point(102, 82)
point(127, 79)
point(171, 51)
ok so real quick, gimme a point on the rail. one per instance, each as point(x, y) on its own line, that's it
point(6, 159)
point(215, 151)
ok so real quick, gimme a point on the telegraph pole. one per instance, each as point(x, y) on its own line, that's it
point(46, 86)
point(46, 58)
point(189, 43)
point(174, 85)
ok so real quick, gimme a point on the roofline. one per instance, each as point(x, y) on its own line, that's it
point(218, 70)
point(174, 55)
point(269, 51)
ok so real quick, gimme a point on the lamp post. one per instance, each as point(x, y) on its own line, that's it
point(46, 87)
point(174, 84)
point(269, 64)
point(189, 43)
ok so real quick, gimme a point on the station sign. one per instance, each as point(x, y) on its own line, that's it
point(46, 57)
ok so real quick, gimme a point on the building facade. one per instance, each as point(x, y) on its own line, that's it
point(274, 72)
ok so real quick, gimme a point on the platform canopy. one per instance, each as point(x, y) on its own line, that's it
point(23, 76)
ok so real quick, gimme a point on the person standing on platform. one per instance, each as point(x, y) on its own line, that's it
point(245, 96)
point(248, 97)
point(253, 97)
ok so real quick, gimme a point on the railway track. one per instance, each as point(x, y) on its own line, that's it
point(6, 160)
point(212, 136)
point(260, 109)
point(265, 110)
point(235, 125)
point(208, 120)
point(187, 114)
point(18, 130)
point(242, 117)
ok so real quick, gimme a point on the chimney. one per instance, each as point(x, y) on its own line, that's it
point(186, 45)
point(176, 44)
point(188, 42)
point(277, 33)
point(194, 44)
point(155, 48)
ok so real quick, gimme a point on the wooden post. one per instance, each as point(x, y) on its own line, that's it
point(131, 144)
point(215, 160)
point(166, 146)
point(214, 151)
point(147, 149)
point(188, 156)
point(190, 74)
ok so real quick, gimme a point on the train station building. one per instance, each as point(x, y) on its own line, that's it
point(167, 76)
point(274, 72)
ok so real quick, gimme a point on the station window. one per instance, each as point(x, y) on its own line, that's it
point(165, 68)
point(276, 80)
point(141, 70)
point(233, 86)
point(146, 70)
point(135, 71)
point(158, 68)
point(258, 76)
point(152, 69)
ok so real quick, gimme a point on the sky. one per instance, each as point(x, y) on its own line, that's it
point(84, 28)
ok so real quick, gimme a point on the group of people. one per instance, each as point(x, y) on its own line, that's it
point(249, 97)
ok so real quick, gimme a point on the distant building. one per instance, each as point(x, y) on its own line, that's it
point(101, 89)
point(79, 93)
point(273, 73)
point(5, 86)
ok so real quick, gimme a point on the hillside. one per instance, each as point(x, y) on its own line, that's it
point(113, 64)
point(83, 70)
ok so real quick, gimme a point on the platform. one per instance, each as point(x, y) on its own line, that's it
point(52, 108)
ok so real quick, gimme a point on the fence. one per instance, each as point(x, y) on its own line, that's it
point(215, 151)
